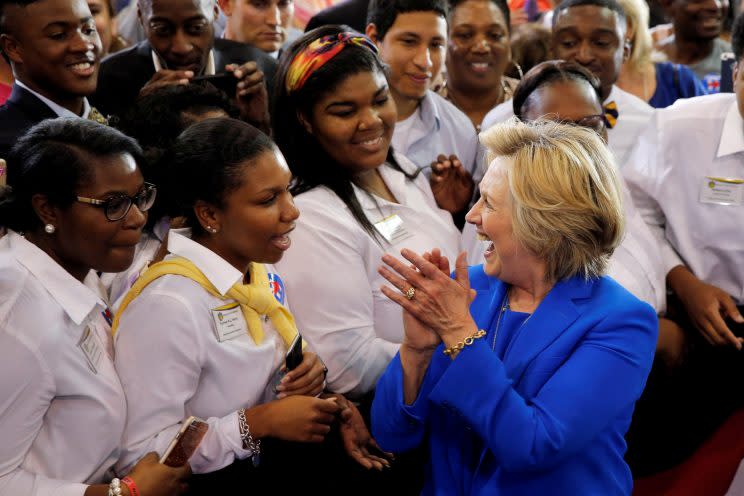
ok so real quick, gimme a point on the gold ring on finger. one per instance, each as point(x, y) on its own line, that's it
point(410, 293)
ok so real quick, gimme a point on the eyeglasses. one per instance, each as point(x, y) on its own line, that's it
point(117, 207)
point(593, 122)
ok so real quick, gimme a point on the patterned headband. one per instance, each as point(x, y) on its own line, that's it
point(317, 53)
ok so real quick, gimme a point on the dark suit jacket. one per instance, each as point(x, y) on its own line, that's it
point(123, 74)
point(353, 13)
point(20, 112)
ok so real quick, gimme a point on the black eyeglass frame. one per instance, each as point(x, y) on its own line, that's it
point(140, 198)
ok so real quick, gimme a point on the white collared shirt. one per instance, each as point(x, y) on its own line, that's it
point(172, 365)
point(633, 116)
point(209, 70)
point(439, 127)
point(685, 144)
point(61, 416)
point(57, 109)
point(331, 273)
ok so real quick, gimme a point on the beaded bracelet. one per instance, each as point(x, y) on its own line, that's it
point(129, 482)
point(253, 445)
point(114, 487)
point(453, 350)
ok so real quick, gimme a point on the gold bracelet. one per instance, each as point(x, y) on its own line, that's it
point(455, 349)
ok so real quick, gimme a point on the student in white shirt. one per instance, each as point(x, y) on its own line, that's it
point(333, 120)
point(412, 38)
point(212, 333)
point(567, 92)
point(686, 180)
point(75, 204)
point(592, 33)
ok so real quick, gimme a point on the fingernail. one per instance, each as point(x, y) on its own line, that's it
point(239, 74)
point(190, 73)
point(183, 81)
point(241, 85)
point(281, 395)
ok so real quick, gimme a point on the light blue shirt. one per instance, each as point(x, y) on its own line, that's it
point(440, 128)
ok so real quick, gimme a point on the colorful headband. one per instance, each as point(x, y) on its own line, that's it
point(317, 53)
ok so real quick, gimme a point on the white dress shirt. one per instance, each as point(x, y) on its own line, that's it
point(172, 365)
point(62, 411)
point(438, 127)
point(118, 284)
point(633, 116)
point(331, 271)
point(685, 144)
point(57, 109)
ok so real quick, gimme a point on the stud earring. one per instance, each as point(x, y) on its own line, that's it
point(49, 229)
point(211, 229)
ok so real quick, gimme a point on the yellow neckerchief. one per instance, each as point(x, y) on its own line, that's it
point(255, 299)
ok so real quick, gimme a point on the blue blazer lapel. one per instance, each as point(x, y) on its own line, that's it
point(34, 109)
point(554, 314)
point(490, 292)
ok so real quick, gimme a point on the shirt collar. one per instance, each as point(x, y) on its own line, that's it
point(429, 112)
point(208, 71)
point(76, 298)
point(221, 274)
point(732, 135)
point(57, 109)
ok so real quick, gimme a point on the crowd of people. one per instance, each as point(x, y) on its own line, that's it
point(425, 247)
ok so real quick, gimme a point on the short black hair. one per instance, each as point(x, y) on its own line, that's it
point(3, 23)
point(547, 73)
point(382, 13)
point(737, 38)
point(54, 158)
point(208, 159)
point(613, 5)
point(501, 4)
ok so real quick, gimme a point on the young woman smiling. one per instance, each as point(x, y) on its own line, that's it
point(333, 120)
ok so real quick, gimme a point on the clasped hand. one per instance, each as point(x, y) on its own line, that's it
point(439, 309)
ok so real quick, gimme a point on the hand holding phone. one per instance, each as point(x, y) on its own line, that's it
point(184, 444)
point(294, 353)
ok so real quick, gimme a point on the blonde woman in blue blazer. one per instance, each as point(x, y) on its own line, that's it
point(522, 374)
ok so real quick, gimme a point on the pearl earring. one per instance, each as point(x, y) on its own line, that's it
point(49, 229)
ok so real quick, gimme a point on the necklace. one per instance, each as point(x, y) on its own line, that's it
point(504, 308)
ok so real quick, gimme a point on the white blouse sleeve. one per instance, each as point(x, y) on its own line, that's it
point(332, 296)
point(26, 391)
point(158, 358)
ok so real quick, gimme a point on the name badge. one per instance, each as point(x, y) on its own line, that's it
point(721, 191)
point(392, 229)
point(92, 349)
point(228, 322)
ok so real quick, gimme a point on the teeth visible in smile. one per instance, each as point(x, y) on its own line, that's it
point(480, 65)
point(373, 141)
point(483, 237)
point(82, 66)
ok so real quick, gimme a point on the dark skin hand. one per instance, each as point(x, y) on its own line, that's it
point(451, 184)
point(251, 95)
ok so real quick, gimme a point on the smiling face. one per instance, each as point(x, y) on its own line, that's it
point(180, 32)
point(255, 219)
point(414, 50)
point(354, 122)
point(478, 49)
point(261, 23)
point(492, 217)
point(592, 36)
point(698, 19)
point(54, 47)
point(85, 238)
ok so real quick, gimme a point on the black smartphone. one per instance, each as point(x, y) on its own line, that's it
point(294, 354)
point(728, 60)
point(225, 82)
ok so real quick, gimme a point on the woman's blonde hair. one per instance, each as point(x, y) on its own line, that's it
point(636, 15)
point(565, 192)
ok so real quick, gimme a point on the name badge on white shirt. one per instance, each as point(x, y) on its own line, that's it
point(721, 191)
point(392, 229)
point(228, 322)
point(92, 348)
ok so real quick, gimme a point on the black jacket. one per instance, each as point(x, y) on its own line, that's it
point(19, 113)
point(123, 74)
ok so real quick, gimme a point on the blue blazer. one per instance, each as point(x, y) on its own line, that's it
point(547, 419)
